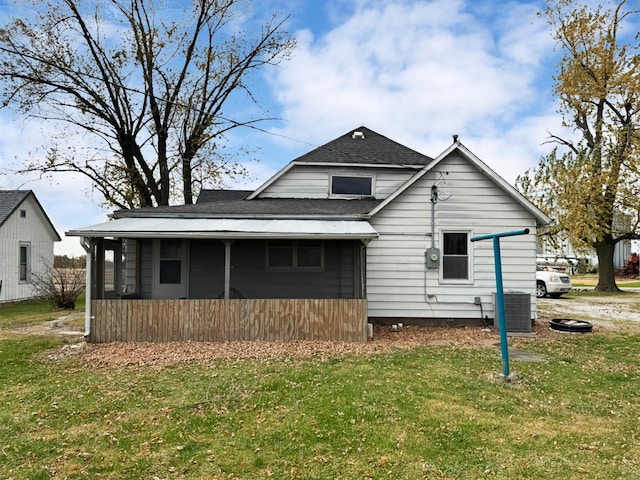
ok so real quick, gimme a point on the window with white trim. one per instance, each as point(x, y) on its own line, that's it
point(24, 262)
point(301, 255)
point(356, 186)
point(455, 256)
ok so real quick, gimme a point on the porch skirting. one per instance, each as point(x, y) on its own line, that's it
point(207, 320)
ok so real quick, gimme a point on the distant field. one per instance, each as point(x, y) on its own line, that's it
point(592, 281)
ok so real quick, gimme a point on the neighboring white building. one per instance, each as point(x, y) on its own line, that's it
point(26, 244)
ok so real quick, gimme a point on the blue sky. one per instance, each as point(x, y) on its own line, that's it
point(414, 71)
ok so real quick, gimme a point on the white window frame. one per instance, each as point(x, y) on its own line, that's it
point(372, 177)
point(457, 281)
point(294, 267)
point(27, 247)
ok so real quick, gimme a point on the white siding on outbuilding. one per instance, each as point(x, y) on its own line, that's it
point(399, 284)
point(31, 229)
point(312, 181)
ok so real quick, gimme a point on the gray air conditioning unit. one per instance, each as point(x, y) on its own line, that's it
point(517, 312)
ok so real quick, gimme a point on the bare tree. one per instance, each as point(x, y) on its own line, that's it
point(149, 84)
point(61, 286)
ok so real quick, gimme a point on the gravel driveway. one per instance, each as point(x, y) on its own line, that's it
point(606, 311)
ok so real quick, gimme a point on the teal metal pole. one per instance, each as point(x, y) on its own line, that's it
point(502, 322)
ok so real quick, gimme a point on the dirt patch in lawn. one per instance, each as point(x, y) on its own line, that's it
point(160, 355)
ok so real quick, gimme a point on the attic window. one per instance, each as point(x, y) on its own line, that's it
point(357, 134)
point(23, 214)
point(355, 186)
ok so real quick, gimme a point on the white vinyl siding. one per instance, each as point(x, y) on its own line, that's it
point(310, 181)
point(129, 266)
point(398, 282)
point(33, 230)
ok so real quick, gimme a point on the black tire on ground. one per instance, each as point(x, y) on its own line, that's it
point(541, 289)
point(570, 326)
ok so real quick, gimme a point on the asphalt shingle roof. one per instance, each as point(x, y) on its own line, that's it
point(9, 201)
point(261, 206)
point(372, 148)
point(222, 195)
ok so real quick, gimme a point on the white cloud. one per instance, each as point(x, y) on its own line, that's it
point(415, 71)
point(65, 197)
point(420, 71)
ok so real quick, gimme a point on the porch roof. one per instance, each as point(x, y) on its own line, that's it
point(231, 228)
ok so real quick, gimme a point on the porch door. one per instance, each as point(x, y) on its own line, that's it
point(170, 268)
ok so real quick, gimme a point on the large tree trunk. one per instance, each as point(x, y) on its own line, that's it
point(606, 270)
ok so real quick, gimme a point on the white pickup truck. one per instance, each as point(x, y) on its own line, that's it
point(551, 283)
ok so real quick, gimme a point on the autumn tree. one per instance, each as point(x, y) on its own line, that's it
point(590, 182)
point(145, 83)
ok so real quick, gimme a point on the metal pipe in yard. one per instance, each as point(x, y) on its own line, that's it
point(502, 323)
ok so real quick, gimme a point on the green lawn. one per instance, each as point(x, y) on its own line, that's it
point(436, 412)
point(28, 312)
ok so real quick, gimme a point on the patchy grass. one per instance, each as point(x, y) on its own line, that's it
point(29, 312)
point(430, 412)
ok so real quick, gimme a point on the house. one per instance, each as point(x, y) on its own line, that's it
point(26, 244)
point(361, 229)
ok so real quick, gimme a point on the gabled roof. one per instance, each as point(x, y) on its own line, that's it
point(10, 200)
point(540, 216)
point(362, 147)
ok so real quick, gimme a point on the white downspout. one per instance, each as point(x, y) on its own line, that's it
point(88, 248)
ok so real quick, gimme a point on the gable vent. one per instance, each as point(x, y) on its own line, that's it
point(357, 135)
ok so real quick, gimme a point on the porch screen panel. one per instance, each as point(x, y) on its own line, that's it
point(170, 261)
point(316, 269)
point(309, 253)
point(280, 253)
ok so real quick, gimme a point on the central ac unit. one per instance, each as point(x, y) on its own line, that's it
point(517, 312)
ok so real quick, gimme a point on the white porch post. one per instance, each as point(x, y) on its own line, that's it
point(88, 245)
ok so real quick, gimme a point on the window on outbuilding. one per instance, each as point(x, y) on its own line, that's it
point(24, 262)
point(455, 256)
point(351, 185)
